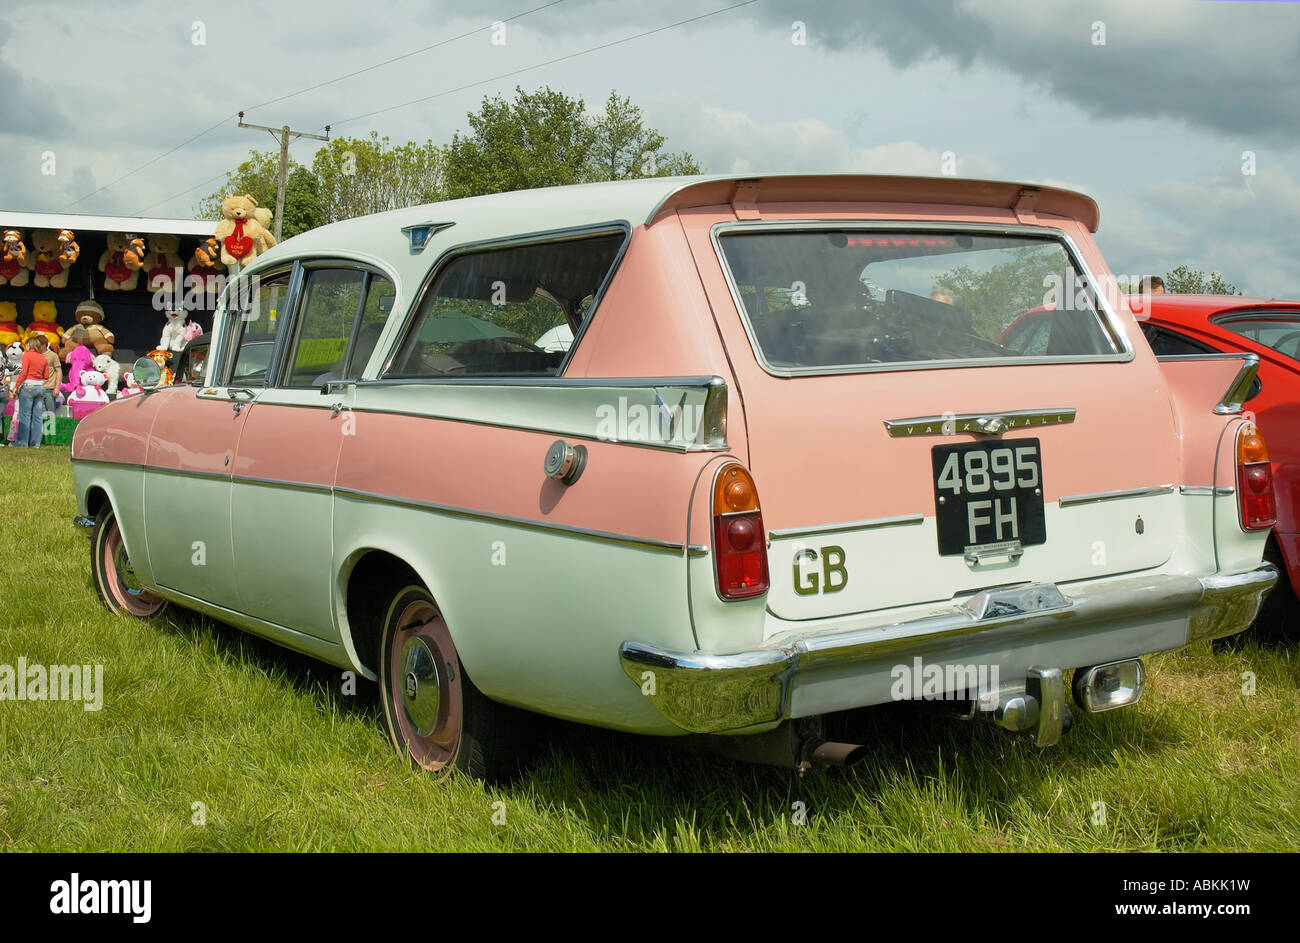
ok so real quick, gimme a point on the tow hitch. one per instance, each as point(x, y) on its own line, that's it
point(1041, 710)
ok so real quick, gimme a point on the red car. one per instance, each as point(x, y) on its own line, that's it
point(1200, 324)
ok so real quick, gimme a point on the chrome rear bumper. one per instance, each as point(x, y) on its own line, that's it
point(1012, 629)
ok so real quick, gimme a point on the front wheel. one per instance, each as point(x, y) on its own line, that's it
point(114, 577)
point(434, 714)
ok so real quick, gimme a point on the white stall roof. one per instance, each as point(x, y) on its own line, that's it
point(140, 225)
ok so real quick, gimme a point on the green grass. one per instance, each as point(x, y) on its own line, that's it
point(198, 712)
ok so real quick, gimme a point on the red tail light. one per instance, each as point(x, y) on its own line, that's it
point(1254, 480)
point(739, 544)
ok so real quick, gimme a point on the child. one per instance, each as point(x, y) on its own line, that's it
point(32, 374)
point(56, 373)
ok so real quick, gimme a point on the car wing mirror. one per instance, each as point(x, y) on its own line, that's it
point(147, 373)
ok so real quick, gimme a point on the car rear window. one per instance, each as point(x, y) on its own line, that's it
point(1280, 330)
point(819, 300)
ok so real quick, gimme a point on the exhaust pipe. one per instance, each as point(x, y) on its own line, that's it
point(830, 753)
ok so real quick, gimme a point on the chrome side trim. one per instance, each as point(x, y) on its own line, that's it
point(1234, 398)
point(1074, 499)
point(707, 693)
point(845, 526)
point(1208, 490)
point(694, 550)
point(642, 542)
point(991, 423)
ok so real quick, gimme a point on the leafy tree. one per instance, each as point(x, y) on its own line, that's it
point(625, 148)
point(1189, 281)
point(358, 176)
point(545, 139)
point(302, 204)
point(1007, 290)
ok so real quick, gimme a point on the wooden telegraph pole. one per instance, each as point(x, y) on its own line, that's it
point(284, 134)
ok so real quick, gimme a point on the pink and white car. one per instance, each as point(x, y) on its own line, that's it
point(782, 470)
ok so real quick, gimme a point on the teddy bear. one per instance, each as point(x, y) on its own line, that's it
point(73, 338)
point(45, 321)
point(110, 368)
point(129, 386)
point(244, 230)
point(46, 260)
point(69, 251)
point(89, 395)
point(79, 361)
point(164, 262)
point(173, 332)
point(118, 273)
point(10, 332)
point(13, 260)
point(90, 315)
point(205, 264)
point(161, 358)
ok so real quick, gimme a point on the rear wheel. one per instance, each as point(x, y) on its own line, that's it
point(434, 714)
point(1279, 616)
point(119, 588)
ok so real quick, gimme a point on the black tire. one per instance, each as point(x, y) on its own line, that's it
point(435, 715)
point(111, 571)
point(1279, 616)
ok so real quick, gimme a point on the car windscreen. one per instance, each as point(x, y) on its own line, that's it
point(838, 299)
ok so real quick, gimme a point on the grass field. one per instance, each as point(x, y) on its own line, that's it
point(197, 712)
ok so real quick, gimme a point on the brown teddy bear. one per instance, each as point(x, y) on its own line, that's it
point(90, 315)
point(45, 320)
point(13, 260)
point(69, 251)
point(118, 273)
point(244, 231)
point(205, 265)
point(73, 338)
point(163, 262)
point(46, 260)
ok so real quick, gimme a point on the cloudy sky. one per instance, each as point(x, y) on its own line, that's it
point(1148, 107)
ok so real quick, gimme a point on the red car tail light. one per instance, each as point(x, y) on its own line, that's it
point(1254, 480)
point(739, 544)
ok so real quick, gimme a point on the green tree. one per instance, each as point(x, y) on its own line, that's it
point(358, 176)
point(625, 148)
point(541, 139)
point(1007, 290)
point(302, 204)
point(1189, 281)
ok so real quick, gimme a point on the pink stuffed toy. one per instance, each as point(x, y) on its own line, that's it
point(80, 359)
point(90, 396)
point(129, 386)
point(192, 330)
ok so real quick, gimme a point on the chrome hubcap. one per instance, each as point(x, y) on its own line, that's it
point(421, 694)
point(125, 573)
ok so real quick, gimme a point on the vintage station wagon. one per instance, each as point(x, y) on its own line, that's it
point(713, 455)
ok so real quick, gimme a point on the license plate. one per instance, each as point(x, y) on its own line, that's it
point(988, 493)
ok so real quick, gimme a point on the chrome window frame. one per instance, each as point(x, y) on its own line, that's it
point(304, 266)
point(219, 355)
point(1110, 320)
point(451, 253)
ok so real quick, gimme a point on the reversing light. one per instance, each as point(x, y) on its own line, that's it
point(1255, 499)
point(739, 551)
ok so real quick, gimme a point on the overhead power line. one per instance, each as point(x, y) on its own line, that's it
point(302, 91)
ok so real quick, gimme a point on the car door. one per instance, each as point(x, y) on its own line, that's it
point(283, 471)
point(193, 445)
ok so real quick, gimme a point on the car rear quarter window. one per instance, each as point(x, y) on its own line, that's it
point(511, 311)
point(253, 308)
point(828, 299)
point(1169, 343)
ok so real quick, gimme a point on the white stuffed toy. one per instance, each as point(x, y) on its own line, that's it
point(111, 369)
point(173, 333)
point(89, 396)
point(129, 386)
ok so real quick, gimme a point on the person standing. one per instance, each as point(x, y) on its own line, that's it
point(32, 374)
point(56, 373)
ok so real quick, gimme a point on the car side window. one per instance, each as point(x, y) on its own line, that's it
point(330, 300)
point(253, 307)
point(511, 311)
point(1281, 333)
point(1167, 343)
point(380, 295)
